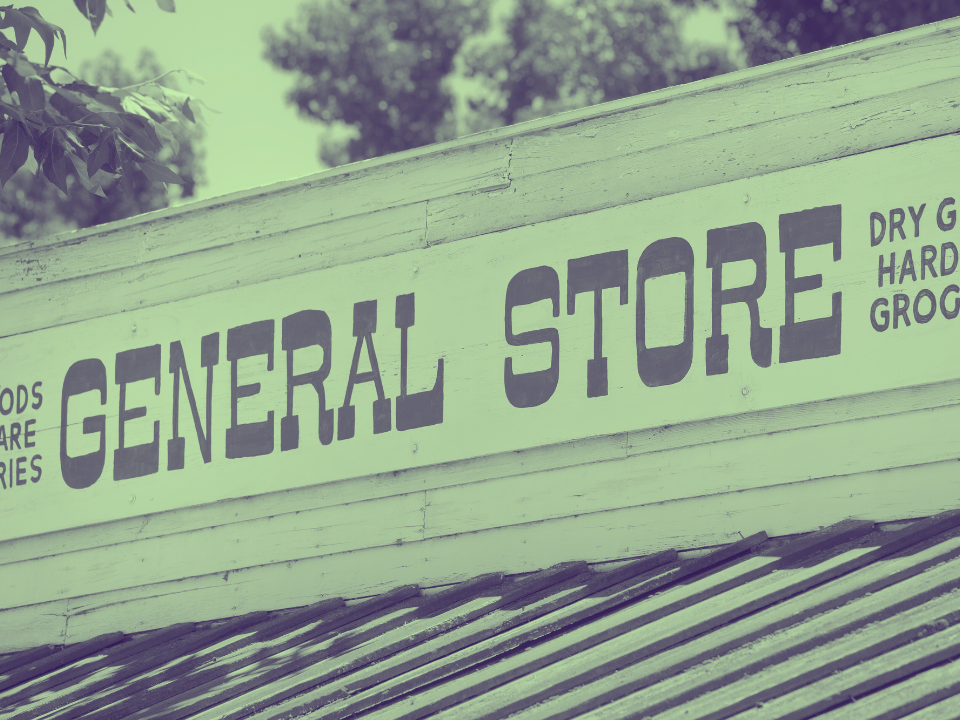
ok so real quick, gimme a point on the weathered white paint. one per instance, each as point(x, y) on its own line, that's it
point(783, 449)
point(459, 290)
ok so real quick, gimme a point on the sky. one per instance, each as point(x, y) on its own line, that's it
point(257, 139)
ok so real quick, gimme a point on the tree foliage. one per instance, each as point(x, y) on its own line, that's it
point(398, 74)
point(75, 131)
point(30, 206)
point(776, 29)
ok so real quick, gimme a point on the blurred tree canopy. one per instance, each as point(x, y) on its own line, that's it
point(388, 75)
point(776, 29)
point(31, 207)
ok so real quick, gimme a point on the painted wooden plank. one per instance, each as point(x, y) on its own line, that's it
point(104, 290)
point(856, 682)
point(531, 497)
point(763, 460)
point(739, 158)
point(223, 549)
point(476, 350)
point(314, 497)
point(697, 522)
point(831, 82)
point(576, 453)
point(263, 220)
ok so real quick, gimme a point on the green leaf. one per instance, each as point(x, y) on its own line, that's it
point(100, 153)
point(46, 30)
point(81, 171)
point(166, 5)
point(13, 80)
point(21, 26)
point(188, 113)
point(54, 167)
point(13, 150)
point(161, 173)
point(124, 167)
point(13, 111)
point(96, 9)
point(168, 137)
point(31, 94)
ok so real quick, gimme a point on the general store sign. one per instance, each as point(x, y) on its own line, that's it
point(830, 280)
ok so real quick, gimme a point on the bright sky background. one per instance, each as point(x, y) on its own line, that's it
point(258, 139)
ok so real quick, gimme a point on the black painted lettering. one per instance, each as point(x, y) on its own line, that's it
point(36, 468)
point(818, 337)
point(144, 459)
point(670, 364)
point(924, 317)
point(15, 435)
point(254, 438)
point(732, 244)
point(907, 267)
point(885, 269)
point(6, 401)
point(884, 315)
point(177, 364)
point(301, 330)
point(23, 398)
point(897, 216)
point(877, 238)
point(21, 470)
point(901, 303)
point(533, 388)
point(950, 314)
point(415, 410)
point(951, 215)
point(28, 433)
point(944, 270)
point(83, 471)
point(37, 396)
point(3, 474)
point(595, 273)
point(915, 216)
point(364, 326)
point(928, 253)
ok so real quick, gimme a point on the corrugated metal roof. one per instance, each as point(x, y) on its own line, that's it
point(850, 622)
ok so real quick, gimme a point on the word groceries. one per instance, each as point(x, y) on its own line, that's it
point(657, 366)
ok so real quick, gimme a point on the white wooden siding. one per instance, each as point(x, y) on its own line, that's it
point(886, 456)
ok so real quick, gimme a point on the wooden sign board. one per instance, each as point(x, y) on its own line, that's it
point(828, 280)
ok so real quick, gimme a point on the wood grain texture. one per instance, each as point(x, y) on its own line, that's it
point(563, 459)
point(260, 217)
point(813, 135)
point(915, 491)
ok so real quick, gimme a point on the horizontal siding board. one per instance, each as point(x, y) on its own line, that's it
point(246, 262)
point(219, 549)
point(722, 157)
point(916, 491)
point(579, 453)
point(261, 218)
point(833, 82)
point(707, 469)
